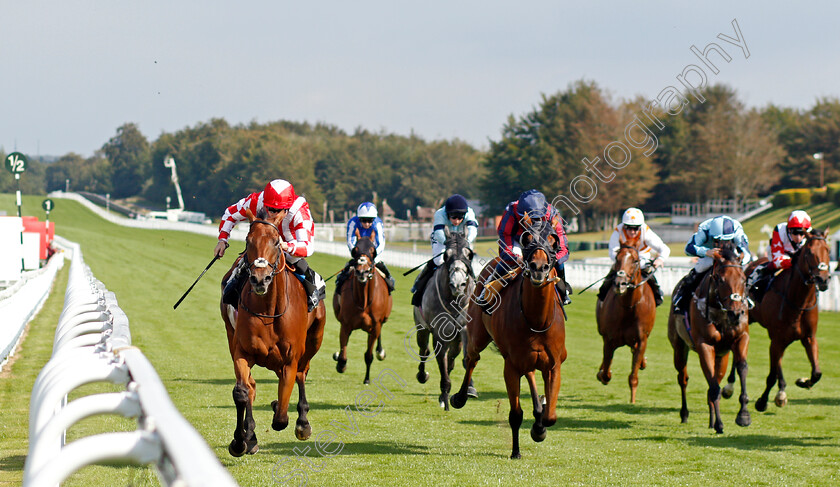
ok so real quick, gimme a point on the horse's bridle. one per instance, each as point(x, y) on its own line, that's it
point(820, 267)
point(733, 297)
point(261, 262)
point(540, 243)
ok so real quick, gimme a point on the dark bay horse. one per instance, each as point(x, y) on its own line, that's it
point(270, 328)
point(626, 316)
point(789, 312)
point(364, 304)
point(443, 311)
point(717, 324)
point(529, 329)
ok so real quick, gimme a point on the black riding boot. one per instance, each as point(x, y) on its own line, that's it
point(563, 287)
point(342, 276)
point(388, 277)
point(605, 287)
point(312, 294)
point(689, 284)
point(420, 283)
point(757, 283)
point(657, 291)
point(233, 287)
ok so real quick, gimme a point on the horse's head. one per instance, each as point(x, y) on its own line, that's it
point(363, 255)
point(262, 251)
point(811, 261)
point(457, 258)
point(540, 245)
point(728, 286)
point(628, 270)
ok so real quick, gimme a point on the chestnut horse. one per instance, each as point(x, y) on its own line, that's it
point(626, 316)
point(715, 325)
point(365, 305)
point(789, 312)
point(529, 329)
point(270, 328)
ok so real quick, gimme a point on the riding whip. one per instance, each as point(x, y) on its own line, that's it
point(421, 265)
point(589, 286)
point(336, 273)
point(215, 258)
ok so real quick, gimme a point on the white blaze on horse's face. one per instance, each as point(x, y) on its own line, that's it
point(364, 269)
point(458, 278)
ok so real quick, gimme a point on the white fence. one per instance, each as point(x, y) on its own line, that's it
point(93, 344)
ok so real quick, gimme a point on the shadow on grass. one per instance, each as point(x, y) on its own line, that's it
point(815, 401)
point(359, 448)
point(12, 463)
point(618, 408)
point(759, 442)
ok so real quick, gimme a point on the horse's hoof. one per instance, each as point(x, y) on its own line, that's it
point(803, 383)
point(472, 392)
point(457, 400)
point(781, 399)
point(719, 430)
point(233, 450)
point(442, 404)
point(251, 445)
point(274, 406)
point(743, 419)
point(603, 378)
point(380, 354)
point(422, 377)
point(761, 404)
point(366, 382)
point(515, 456)
point(537, 434)
point(727, 390)
point(543, 400)
point(335, 356)
point(341, 366)
point(278, 425)
point(303, 431)
point(643, 365)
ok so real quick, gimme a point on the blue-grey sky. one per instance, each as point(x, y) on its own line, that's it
point(73, 71)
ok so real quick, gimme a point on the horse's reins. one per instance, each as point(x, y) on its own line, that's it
point(552, 259)
point(261, 261)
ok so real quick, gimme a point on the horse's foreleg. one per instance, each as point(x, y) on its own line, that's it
point(729, 388)
point(371, 339)
point(776, 353)
point(423, 345)
point(537, 429)
point(244, 438)
point(515, 416)
point(380, 350)
point(740, 359)
point(604, 375)
point(340, 356)
point(635, 366)
point(551, 381)
point(442, 356)
point(680, 363)
point(286, 377)
point(811, 349)
point(302, 428)
point(707, 363)
point(478, 339)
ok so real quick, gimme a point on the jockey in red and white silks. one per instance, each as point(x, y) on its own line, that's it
point(788, 237)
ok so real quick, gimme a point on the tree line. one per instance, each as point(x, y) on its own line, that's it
point(577, 142)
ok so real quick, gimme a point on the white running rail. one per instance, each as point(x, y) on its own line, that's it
point(93, 344)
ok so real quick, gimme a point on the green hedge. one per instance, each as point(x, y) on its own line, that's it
point(832, 192)
point(792, 197)
point(819, 195)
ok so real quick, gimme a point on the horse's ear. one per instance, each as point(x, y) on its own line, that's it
point(468, 253)
point(250, 216)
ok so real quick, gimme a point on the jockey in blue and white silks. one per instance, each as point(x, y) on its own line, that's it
point(457, 216)
point(705, 244)
point(363, 225)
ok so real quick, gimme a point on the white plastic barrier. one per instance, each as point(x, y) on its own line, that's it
point(93, 344)
point(20, 302)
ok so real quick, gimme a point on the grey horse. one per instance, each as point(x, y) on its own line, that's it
point(443, 312)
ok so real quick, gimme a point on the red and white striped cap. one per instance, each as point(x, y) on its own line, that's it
point(279, 194)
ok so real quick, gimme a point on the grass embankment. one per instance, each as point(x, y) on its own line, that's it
point(599, 438)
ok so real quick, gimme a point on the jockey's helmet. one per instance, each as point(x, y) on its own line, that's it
point(456, 205)
point(532, 203)
point(279, 194)
point(722, 228)
point(633, 217)
point(799, 219)
point(366, 210)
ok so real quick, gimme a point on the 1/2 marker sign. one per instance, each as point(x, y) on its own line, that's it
point(16, 162)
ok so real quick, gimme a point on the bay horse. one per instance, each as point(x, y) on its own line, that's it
point(442, 313)
point(715, 324)
point(626, 316)
point(366, 305)
point(789, 312)
point(528, 328)
point(271, 328)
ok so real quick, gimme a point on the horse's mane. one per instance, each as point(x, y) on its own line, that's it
point(728, 253)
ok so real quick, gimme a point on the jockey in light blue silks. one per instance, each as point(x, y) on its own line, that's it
point(711, 235)
point(457, 216)
point(366, 223)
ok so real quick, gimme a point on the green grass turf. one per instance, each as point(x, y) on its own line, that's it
point(599, 439)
